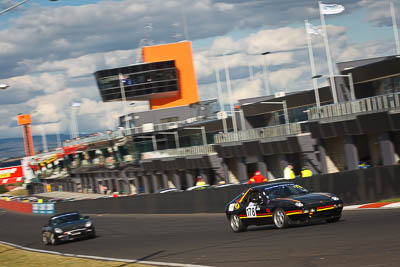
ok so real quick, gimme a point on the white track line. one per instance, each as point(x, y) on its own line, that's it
point(103, 258)
point(395, 205)
point(352, 207)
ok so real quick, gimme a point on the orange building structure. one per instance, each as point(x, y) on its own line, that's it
point(181, 53)
point(25, 120)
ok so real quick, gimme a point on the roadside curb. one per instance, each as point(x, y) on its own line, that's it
point(376, 205)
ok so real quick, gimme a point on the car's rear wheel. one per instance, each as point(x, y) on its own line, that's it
point(281, 220)
point(333, 220)
point(45, 238)
point(53, 239)
point(236, 224)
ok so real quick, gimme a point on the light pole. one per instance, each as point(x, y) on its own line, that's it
point(220, 99)
point(176, 137)
point(351, 83)
point(266, 76)
point(203, 132)
point(228, 85)
point(17, 5)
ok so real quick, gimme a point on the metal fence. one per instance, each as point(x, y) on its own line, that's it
point(349, 109)
point(180, 152)
point(260, 133)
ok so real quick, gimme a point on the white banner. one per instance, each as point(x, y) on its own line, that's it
point(331, 9)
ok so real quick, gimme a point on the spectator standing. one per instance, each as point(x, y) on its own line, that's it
point(288, 172)
point(200, 181)
point(257, 178)
point(305, 172)
point(104, 189)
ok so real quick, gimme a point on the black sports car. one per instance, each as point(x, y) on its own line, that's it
point(67, 226)
point(281, 204)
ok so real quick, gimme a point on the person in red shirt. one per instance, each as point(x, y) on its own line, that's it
point(257, 178)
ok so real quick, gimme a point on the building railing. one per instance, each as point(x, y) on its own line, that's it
point(350, 108)
point(95, 138)
point(260, 133)
point(180, 152)
point(146, 128)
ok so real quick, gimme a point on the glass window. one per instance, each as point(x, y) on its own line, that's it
point(66, 218)
point(282, 191)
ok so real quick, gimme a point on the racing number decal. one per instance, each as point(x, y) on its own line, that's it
point(251, 212)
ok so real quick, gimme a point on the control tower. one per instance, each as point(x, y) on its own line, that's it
point(25, 120)
point(166, 78)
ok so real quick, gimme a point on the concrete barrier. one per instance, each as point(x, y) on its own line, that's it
point(354, 187)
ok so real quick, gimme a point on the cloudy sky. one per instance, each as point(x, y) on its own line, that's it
point(50, 50)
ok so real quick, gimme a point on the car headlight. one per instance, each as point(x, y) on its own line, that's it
point(58, 230)
point(335, 198)
point(299, 204)
point(88, 224)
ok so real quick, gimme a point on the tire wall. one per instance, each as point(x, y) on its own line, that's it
point(354, 187)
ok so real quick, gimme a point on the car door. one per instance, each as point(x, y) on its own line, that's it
point(254, 208)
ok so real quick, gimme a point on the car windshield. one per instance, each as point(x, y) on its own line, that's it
point(66, 218)
point(285, 190)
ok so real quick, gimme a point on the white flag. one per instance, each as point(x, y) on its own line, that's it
point(311, 29)
point(330, 9)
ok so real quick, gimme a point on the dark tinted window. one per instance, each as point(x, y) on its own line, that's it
point(66, 218)
point(286, 190)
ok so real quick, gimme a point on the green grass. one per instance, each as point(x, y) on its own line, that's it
point(13, 257)
point(391, 200)
point(20, 192)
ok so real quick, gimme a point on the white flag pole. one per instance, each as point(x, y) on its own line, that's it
point(328, 55)
point(313, 72)
point(121, 84)
point(396, 33)
point(251, 74)
point(266, 77)
point(220, 98)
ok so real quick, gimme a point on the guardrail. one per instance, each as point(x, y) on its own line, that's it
point(260, 133)
point(350, 108)
point(180, 152)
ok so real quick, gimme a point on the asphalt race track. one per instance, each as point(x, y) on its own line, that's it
point(361, 238)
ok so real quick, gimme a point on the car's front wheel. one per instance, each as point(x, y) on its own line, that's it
point(53, 239)
point(236, 224)
point(281, 220)
point(45, 238)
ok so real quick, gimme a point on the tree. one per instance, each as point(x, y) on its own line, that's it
point(3, 189)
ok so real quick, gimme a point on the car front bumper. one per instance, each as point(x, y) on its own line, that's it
point(74, 234)
point(317, 213)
